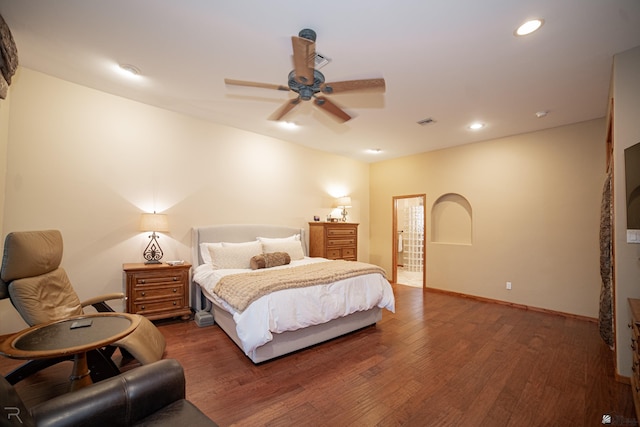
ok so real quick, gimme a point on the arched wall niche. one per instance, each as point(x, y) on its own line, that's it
point(451, 219)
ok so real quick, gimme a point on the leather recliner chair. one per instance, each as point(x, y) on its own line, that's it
point(41, 292)
point(149, 395)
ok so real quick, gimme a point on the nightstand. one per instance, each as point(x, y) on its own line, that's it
point(333, 240)
point(157, 291)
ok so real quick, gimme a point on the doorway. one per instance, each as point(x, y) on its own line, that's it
point(409, 240)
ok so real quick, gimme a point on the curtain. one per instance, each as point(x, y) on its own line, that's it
point(605, 318)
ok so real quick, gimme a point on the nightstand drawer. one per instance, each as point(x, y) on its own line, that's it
point(157, 307)
point(158, 278)
point(142, 293)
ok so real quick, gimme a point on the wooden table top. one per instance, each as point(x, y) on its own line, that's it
point(57, 338)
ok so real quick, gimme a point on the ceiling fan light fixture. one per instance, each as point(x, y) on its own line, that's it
point(529, 27)
point(288, 125)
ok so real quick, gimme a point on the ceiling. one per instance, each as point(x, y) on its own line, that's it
point(452, 61)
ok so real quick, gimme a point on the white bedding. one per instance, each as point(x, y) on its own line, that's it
point(292, 309)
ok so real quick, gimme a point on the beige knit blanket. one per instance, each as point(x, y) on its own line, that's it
point(240, 290)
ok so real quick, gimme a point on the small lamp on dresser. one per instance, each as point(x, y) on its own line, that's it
point(153, 222)
point(343, 203)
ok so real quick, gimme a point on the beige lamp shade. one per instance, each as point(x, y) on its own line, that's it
point(154, 222)
point(343, 202)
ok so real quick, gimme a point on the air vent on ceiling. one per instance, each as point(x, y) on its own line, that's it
point(426, 121)
point(321, 60)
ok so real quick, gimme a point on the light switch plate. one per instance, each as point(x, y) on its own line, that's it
point(633, 236)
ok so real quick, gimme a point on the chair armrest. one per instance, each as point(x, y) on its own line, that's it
point(99, 302)
point(122, 400)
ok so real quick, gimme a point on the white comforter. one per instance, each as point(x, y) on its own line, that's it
point(292, 309)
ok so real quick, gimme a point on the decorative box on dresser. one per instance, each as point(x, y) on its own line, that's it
point(333, 240)
point(635, 346)
point(157, 291)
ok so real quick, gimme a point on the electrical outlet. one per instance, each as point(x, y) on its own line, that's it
point(509, 286)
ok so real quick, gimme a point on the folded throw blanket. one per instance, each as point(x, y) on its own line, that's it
point(240, 290)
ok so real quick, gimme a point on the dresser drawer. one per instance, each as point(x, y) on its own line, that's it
point(341, 242)
point(340, 232)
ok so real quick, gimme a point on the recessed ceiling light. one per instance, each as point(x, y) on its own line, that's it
point(528, 27)
point(476, 126)
point(374, 150)
point(541, 114)
point(129, 70)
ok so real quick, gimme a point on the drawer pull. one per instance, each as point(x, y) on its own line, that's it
point(142, 307)
point(175, 279)
point(143, 293)
point(175, 290)
point(143, 281)
point(175, 303)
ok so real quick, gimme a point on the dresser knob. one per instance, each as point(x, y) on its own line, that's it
point(143, 281)
point(175, 303)
point(142, 307)
point(175, 290)
point(144, 293)
point(175, 279)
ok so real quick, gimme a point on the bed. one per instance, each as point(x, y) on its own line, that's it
point(267, 328)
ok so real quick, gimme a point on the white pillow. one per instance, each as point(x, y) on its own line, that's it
point(279, 239)
point(292, 247)
point(234, 255)
point(204, 251)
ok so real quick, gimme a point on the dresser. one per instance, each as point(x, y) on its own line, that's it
point(635, 346)
point(333, 240)
point(157, 291)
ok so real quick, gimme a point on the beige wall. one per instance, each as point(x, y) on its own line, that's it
point(626, 132)
point(88, 163)
point(535, 201)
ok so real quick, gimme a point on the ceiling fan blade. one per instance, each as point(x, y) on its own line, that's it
point(255, 84)
point(304, 52)
point(331, 108)
point(285, 109)
point(363, 85)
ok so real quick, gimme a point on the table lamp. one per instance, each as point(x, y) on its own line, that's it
point(153, 222)
point(344, 203)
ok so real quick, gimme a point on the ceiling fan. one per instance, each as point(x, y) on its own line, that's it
point(309, 83)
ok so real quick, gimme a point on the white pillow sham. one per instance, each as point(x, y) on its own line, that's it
point(292, 247)
point(204, 251)
point(279, 239)
point(234, 255)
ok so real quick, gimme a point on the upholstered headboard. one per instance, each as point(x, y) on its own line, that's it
point(235, 233)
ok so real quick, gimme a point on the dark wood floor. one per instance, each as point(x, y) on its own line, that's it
point(440, 360)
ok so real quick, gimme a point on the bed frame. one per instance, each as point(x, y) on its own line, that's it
point(283, 343)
